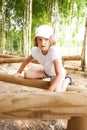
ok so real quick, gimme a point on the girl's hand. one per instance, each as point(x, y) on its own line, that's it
point(16, 76)
point(51, 89)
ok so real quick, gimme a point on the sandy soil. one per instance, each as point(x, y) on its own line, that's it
point(79, 78)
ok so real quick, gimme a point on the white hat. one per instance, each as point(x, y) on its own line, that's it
point(44, 31)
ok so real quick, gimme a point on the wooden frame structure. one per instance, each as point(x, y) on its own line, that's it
point(71, 105)
point(4, 58)
point(46, 105)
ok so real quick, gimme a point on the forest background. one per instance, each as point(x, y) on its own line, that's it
point(19, 18)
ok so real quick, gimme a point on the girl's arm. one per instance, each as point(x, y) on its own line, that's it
point(56, 83)
point(23, 65)
point(26, 61)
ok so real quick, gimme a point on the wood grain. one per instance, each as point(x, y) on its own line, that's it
point(42, 105)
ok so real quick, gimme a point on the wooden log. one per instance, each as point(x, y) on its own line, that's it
point(12, 60)
point(78, 57)
point(65, 58)
point(7, 56)
point(15, 59)
point(72, 68)
point(77, 123)
point(42, 105)
point(36, 83)
point(84, 49)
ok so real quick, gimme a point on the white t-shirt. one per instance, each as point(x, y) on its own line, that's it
point(47, 60)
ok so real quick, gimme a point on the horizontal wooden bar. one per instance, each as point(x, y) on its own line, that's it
point(36, 83)
point(42, 105)
point(15, 59)
point(77, 57)
point(12, 60)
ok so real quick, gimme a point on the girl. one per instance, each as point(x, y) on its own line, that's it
point(49, 56)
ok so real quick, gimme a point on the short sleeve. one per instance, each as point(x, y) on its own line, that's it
point(34, 52)
point(55, 53)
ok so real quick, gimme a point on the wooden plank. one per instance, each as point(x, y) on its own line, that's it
point(42, 105)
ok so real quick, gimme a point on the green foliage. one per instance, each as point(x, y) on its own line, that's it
point(71, 17)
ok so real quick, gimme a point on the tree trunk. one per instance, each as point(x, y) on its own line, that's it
point(30, 25)
point(27, 26)
point(3, 27)
point(84, 50)
point(26, 29)
point(55, 21)
point(10, 45)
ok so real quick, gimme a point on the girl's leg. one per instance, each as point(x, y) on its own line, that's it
point(34, 74)
point(51, 88)
point(66, 82)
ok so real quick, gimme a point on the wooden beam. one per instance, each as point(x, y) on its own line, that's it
point(78, 57)
point(8, 56)
point(72, 68)
point(15, 59)
point(77, 123)
point(12, 60)
point(36, 83)
point(42, 105)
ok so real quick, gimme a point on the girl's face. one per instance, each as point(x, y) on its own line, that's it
point(43, 44)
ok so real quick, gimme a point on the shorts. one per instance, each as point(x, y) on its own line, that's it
point(49, 76)
point(71, 83)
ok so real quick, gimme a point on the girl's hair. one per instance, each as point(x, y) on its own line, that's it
point(52, 40)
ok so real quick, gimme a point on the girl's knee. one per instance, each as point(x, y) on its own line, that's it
point(26, 74)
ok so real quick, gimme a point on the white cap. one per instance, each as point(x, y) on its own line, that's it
point(44, 31)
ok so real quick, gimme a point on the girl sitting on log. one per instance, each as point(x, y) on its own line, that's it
point(48, 55)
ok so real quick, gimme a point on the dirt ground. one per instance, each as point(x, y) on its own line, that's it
point(79, 79)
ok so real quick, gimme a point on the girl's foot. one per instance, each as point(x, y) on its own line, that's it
point(71, 83)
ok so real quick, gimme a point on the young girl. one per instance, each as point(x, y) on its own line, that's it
point(49, 56)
